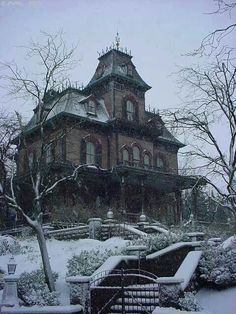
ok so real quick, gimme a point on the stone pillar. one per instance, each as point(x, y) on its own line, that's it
point(80, 291)
point(94, 228)
point(169, 291)
point(142, 222)
point(9, 295)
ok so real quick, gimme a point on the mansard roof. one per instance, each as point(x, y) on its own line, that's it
point(71, 102)
point(113, 64)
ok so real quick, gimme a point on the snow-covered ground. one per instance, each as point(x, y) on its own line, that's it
point(60, 252)
point(161, 310)
point(211, 301)
point(218, 301)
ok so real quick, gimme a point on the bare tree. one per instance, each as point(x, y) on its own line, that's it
point(53, 61)
point(8, 130)
point(216, 41)
point(210, 108)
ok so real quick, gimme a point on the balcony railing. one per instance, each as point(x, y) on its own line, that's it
point(140, 165)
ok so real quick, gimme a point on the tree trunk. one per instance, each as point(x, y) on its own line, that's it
point(45, 258)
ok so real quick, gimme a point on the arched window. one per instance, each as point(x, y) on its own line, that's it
point(125, 156)
point(160, 163)
point(90, 153)
point(136, 155)
point(146, 160)
point(130, 110)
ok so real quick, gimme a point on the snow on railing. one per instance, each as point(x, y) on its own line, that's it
point(188, 267)
point(80, 230)
point(68, 309)
point(158, 229)
point(133, 230)
point(172, 248)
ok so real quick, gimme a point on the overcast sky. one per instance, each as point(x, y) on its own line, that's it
point(158, 32)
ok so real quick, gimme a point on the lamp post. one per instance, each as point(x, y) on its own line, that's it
point(9, 295)
point(11, 266)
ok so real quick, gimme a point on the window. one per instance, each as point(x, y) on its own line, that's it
point(146, 160)
point(90, 153)
point(130, 70)
point(91, 107)
point(160, 163)
point(136, 155)
point(50, 153)
point(124, 69)
point(130, 110)
point(125, 156)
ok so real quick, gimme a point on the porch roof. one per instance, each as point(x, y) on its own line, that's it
point(162, 182)
point(157, 180)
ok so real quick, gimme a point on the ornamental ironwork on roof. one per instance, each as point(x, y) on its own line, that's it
point(115, 61)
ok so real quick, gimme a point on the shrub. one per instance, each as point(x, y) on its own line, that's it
point(34, 291)
point(9, 245)
point(87, 262)
point(189, 302)
point(218, 266)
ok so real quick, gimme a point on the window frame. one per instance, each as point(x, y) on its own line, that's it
point(134, 160)
point(162, 167)
point(146, 154)
point(91, 107)
point(130, 112)
point(90, 157)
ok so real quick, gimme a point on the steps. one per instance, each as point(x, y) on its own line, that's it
point(138, 299)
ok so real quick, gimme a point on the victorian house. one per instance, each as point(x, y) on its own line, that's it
point(128, 157)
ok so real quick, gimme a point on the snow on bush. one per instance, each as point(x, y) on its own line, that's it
point(88, 261)
point(189, 302)
point(33, 290)
point(218, 266)
point(9, 245)
point(160, 241)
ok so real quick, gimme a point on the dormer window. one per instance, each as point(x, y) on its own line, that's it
point(130, 70)
point(130, 111)
point(91, 107)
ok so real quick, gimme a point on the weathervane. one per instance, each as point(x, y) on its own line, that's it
point(117, 41)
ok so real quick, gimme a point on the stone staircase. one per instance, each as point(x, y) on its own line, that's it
point(137, 299)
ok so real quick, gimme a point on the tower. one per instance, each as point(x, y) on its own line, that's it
point(117, 81)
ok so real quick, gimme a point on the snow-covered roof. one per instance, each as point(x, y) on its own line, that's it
point(72, 102)
point(111, 64)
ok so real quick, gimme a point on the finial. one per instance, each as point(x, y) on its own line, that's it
point(117, 41)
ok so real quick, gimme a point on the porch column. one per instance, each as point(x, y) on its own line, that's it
point(122, 196)
point(179, 207)
point(194, 199)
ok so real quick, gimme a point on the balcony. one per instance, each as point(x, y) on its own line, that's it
point(140, 165)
